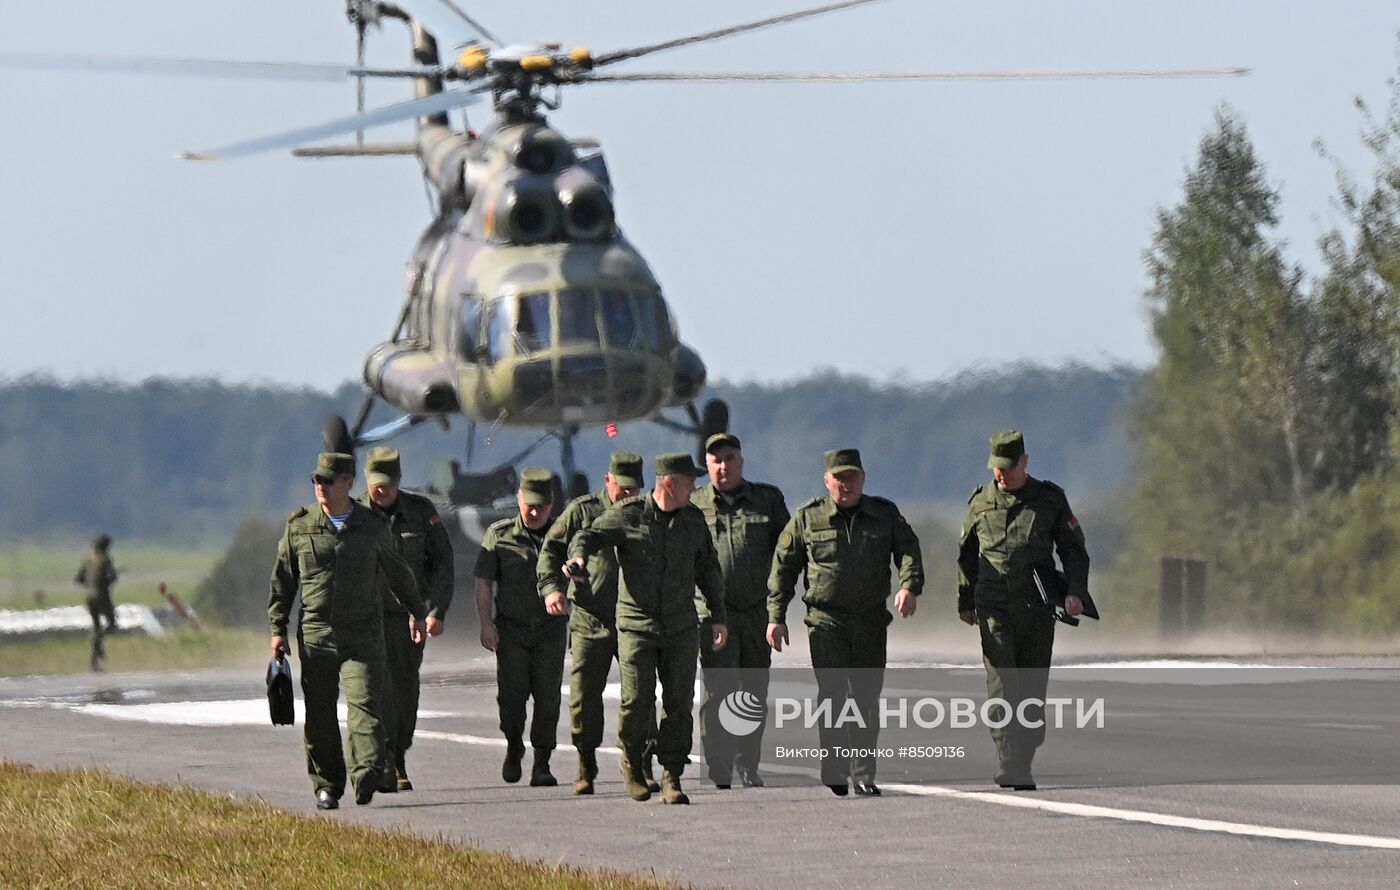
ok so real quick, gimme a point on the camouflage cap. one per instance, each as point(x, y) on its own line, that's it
point(719, 439)
point(626, 469)
point(536, 486)
point(1007, 448)
point(382, 466)
point(332, 464)
point(842, 459)
point(677, 463)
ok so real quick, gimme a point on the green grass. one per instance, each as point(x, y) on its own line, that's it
point(49, 566)
point(185, 649)
point(89, 829)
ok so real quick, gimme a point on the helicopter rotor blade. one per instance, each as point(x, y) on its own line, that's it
point(854, 76)
point(360, 78)
point(638, 51)
point(402, 111)
point(447, 22)
point(231, 68)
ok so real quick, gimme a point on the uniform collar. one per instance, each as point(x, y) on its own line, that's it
point(833, 510)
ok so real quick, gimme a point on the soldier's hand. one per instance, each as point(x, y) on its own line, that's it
point(435, 626)
point(1074, 605)
point(417, 629)
point(721, 635)
point(968, 616)
point(777, 636)
point(905, 603)
point(556, 604)
point(279, 645)
point(489, 637)
point(575, 570)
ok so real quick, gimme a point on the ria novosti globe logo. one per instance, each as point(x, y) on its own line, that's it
point(740, 713)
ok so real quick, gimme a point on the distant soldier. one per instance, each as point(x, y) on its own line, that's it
point(745, 519)
point(845, 543)
point(97, 575)
point(1013, 529)
point(528, 641)
point(337, 554)
point(593, 620)
point(422, 542)
point(664, 553)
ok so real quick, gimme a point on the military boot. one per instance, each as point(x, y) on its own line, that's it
point(1013, 768)
point(540, 776)
point(388, 780)
point(511, 767)
point(402, 772)
point(671, 788)
point(648, 774)
point(634, 779)
point(587, 772)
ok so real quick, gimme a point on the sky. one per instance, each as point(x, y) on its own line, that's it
point(904, 231)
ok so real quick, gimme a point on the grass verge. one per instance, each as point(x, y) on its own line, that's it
point(89, 829)
point(27, 567)
point(184, 649)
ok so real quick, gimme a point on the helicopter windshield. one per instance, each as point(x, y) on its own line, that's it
point(532, 325)
point(619, 321)
point(471, 327)
point(577, 317)
point(654, 321)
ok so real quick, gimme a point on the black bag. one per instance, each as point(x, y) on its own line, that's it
point(280, 701)
point(1054, 587)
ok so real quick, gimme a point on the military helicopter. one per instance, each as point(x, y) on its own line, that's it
point(525, 304)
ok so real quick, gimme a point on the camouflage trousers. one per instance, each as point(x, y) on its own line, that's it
point(355, 664)
point(399, 703)
point(1017, 641)
point(530, 665)
point(848, 658)
point(646, 657)
point(741, 666)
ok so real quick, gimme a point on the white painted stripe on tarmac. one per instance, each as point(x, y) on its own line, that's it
point(1064, 808)
point(1243, 829)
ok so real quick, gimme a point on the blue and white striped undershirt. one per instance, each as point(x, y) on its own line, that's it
point(339, 520)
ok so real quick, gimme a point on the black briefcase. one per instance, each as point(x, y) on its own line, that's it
point(1054, 587)
point(281, 704)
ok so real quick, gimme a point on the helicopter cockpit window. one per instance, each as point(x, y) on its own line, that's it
point(532, 323)
point(498, 330)
point(471, 327)
point(577, 317)
point(653, 321)
point(618, 320)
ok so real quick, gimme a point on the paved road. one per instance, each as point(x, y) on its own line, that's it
point(1116, 809)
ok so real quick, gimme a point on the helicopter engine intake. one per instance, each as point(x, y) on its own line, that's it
point(587, 207)
point(413, 379)
point(527, 212)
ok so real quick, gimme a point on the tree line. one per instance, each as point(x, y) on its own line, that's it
point(1267, 432)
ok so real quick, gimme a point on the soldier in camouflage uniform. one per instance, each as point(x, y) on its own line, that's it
point(422, 542)
point(664, 552)
point(1014, 526)
point(97, 575)
point(528, 641)
point(338, 555)
point(845, 543)
point(745, 519)
point(593, 619)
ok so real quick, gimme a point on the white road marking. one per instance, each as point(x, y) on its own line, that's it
point(1088, 811)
